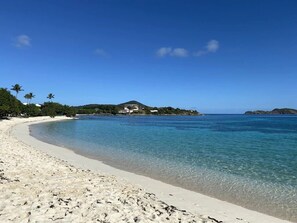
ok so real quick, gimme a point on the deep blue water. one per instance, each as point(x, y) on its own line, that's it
point(247, 160)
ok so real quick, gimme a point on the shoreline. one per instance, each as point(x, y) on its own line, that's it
point(181, 198)
point(242, 202)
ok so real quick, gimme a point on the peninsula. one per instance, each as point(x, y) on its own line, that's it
point(276, 111)
point(11, 106)
point(131, 107)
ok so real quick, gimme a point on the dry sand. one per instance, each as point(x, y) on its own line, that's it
point(40, 182)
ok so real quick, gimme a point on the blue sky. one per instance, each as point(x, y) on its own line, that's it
point(215, 56)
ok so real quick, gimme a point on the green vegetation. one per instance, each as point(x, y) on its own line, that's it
point(175, 111)
point(140, 105)
point(276, 111)
point(17, 88)
point(29, 97)
point(31, 110)
point(51, 96)
point(10, 106)
point(98, 109)
point(137, 107)
point(53, 109)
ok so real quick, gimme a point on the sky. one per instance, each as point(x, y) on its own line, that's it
point(213, 56)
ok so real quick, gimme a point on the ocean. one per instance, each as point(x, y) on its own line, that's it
point(247, 160)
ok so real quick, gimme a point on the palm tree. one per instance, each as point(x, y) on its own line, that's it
point(29, 97)
point(17, 88)
point(51, 96)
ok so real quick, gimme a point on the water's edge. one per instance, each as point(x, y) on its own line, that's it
point(168, 181)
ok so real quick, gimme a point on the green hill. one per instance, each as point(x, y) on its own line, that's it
point(132, 107)
point(276, 111)
point(135, 103)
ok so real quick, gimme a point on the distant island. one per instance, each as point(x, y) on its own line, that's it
point(132, 108)
point(276, 111)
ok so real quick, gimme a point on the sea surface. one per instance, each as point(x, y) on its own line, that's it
point(247, 160)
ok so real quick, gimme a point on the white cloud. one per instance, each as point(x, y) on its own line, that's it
point(179, 52)
point(22, 41)
point(211, 47)
point(101, 53)
point(174, 52)
point(164, 51)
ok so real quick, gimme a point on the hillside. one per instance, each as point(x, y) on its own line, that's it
point(276, 111)
point(134, 102)
point(132, 107)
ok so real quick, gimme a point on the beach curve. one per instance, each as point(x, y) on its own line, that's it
point(62, 172)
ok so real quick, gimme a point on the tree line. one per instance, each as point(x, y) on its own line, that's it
point(144, 110)
point(11, 106)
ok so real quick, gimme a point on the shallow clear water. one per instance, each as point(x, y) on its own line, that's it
point(247, 160)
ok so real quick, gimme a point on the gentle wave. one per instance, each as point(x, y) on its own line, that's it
point(247, 160)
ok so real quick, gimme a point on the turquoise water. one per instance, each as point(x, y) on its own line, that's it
point(246, 160)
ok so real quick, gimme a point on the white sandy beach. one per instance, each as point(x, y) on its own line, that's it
point(40, 182)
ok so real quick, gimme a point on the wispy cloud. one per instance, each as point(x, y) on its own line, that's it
point(100, 52)
point(22, 41)
point(179, 52)
point(211, 47)
point(163, 51)
point(174, 52)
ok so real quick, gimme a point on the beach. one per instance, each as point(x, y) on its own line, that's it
point(41, 182)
